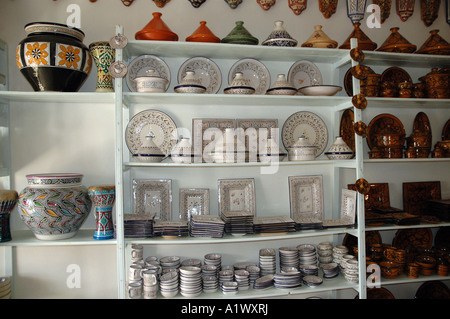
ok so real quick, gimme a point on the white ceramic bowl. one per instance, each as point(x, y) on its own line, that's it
point(281, 91)
point(320, 90)
point(149, 158)
point(190, 88)
point(239, 90)
point(150, 84)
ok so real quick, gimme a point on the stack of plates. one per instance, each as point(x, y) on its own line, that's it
point(325, 252)
point(287, 280)
point(238, 222)
point(213, 260)
point(330, 270)
point(307, 254)
point(254, 273)
point(230, 288)
point(206, 226)
point(273, 224)
point(338, 253)
point(226, 276)
point(169, 284)
point(170, 228)
point(289, 257)
point(191, 263)
point(242, 278)
point(350, 270)
point(267, 261)
point(263, 282)
point(309, 270)
point(210, 283)
point(138, 226)
point(169, 263)
point(5, 287)
point(190, 281)
point(312, 281)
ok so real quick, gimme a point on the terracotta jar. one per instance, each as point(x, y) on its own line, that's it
point(437, 83)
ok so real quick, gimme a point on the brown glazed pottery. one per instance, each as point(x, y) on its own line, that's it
point(385, 8)
point(157, 30)
point(297, 6)
point(404, 8)
point(328, 7)
point(429, 11)
point(412, 270)
point(203, 34)
point(397, 43)
point(364, 43)
point(435, 44)
point(389, 269)
point(437, 83)
point(161, 3)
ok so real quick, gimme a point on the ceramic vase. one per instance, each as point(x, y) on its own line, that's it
point(298, 6)
point(405, 8)
point(53, 57)
point(103, 197)
point(8, 200)
point(429, 10)
point(103, 55)
point(356, 10)
point(328, 7)
point(54, 206)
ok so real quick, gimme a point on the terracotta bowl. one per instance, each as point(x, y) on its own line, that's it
point(389, 269)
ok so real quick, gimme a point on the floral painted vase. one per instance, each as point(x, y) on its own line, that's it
point(54, 206)
point(103, 197)
point(8, 200)
point(103, 55)
point(53, 57)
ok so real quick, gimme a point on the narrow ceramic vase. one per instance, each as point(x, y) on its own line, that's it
point(103, 197)
point(103, 55)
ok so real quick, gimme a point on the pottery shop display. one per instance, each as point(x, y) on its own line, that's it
point(328, 7)
point(397, 43)
point(54, 206)
point(53, 57)
point(203, 34)
point(281, 87)
point(339, 150)
point(319, 40)
point(435, 44)
point(438, 84)
point(103, 55)
point(386, 137)
point(404, 8)
point(103, 197)
point(279, 37)
point(8, 200)
point(156, 30)
point(364, 43)
point(240, 35)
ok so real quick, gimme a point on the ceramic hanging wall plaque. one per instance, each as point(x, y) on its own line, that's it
point(385, 8)
point(233, 3)
point(196, 3)
point(405, 8)
point(266, 4)
point(328, 7)
point(356, 10)
point(161, 3)
point(429, 11)
point(298, 6)
point(127, 3)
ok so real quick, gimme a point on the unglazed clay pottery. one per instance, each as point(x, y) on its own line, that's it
point(103, 55)
point(339, 150)
point(157, 30)
point(279, 37)
point(8, 200)
point(151, 82)
point(203, 34)
point(385, 8)
point(298, 6)
point(328, 7)
point(435, 44)
point(103, 197)
point(319, 40)
point(281, 87)
point(266, 4)
point(196, 3)
point(239, 85)
point(429, 10)
point(356, 10)
point(404, 8)
point(397, 43)
point(53, 57)
point(302, 150)
point(240, 35)
point(364, 43)
point(190, 84)
point(149, 152)
point(233, 3)
point(54, 206)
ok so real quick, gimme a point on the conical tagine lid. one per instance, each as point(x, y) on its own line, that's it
point(435, 44)
point(397, 43)
point(203, 34)
point(364, 43)
point(156, 29)
point(240, 35)
point(319, 39)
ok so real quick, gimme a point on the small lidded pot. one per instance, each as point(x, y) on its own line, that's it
point(190, 84)
point(149, 152)
point(302, 150)
point(281, 87)
point(151, 82)
point(239, 85)
point(339, 150)
point(182, 151)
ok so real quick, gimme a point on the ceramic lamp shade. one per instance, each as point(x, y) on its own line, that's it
point(356, 10)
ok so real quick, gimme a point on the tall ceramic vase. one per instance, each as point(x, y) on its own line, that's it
point(54, 206)
point(8, 200)
point(103, 197)
point(104, 55)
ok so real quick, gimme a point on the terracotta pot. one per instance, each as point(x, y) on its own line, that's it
point(437, 84)
point(203, 34)
point(156, 30)
point(397, 43)
point(435, 44)
point(364, 43)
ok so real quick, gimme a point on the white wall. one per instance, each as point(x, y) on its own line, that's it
point(80, 138)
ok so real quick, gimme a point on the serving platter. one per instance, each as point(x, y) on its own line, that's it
point(346, 130)
point(193, 201)
point(413, 238)
point(304, 73)
point(306, 199)
point(237, 195)
point(384, 123)
point(153, 197)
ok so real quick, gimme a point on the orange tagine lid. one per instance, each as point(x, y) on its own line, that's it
point(203, 34)
point(156, 29)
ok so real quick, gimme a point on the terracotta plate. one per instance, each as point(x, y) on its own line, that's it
point(446, 131)
point(433, 290)
point(415, 195)
point(346, 130)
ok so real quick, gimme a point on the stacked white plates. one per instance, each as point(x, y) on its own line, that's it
point(170, 228)
point(254, 273)
point(339, 252)
point(238, 222)
point(350, 270)
point(230, 287)
point(288, 257)
point(192, 262)
point(242, 265)
point(213, 259)
point(190, 281)
point(287, 280)
point(169, 263)
point(309, 270)
point(206, 226)
point(5, 287)
point(210, 283)
point(264, 282)
point(169, 284)
point(312, 281)
point(330, 270)
point(241, 276)
point(138, 226)
point(307, 254)
point(225, 276)
point(325, 252)
point(267, 261)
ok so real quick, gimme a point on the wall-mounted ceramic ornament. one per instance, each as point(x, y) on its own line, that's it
point(429, 11)
point(127, 3)
point(328, 7)
point(196, 3)
point(405, 9)
point(298, 6)
point(266, 4)
point(385, 8)
point(447, 10)
point(233, 3)
point(356, 10)
point(161, 3)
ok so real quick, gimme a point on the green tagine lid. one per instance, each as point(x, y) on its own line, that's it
point(240, 35)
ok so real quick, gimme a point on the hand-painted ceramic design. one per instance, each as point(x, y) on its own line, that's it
point(405, 8)
point(157, 122)
point(103, 197)
point(161, 3)
point(306, 199)
point(8, 200)
point(435, 44)
point(298, 6)
point(139, 67)
point(196, 3)
point(429, 10)
point(127, 3)
point(237, 195)
point(356, 10)
point(151, 82)
point(206, 70)
point(319, 39)
point(302, 150)
point(149, 152)
point(254, 71)
point(279, 37)
point(240, 35)
point(385, 8)
point(190, 84)
point(233, 3)
point(156, 30)
point(364, 42)
point(328, 7)
point(54, 206)
point(308, 125)
point(239, 85)
point(266, 4)
point(103, 55)
point(397, 43)
point(153, 197)
point(53, 57)
point(339, 150)
point(193, 201)
point(304, 73)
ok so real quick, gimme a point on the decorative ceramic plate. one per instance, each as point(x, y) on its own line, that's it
point(348, 80)
point(305, 124)
point(416, 194)
point(193, 201)
point(348, 206)
point(237, 195)
point(346, 130)
point(413, 238)
point(396, 75)
point(205, 69)
point(153, 197)
point(306, 199)
point(140, 65)
point(381, 123)
point(373, 237)
point(304, 73)
point(254, 71)
point(148, 121)
point(433, 290)
point(253, 136)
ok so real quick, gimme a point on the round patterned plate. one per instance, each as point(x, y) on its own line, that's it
point(413, 238)
point(254, 71)
point(205, 69)
point(304, 73)
point(305, 124)
point(384, 123)
point(140, 65)
point(148, 121)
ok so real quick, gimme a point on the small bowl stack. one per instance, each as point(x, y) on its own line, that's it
point(169, 284)
point(325, 252)
point(225, 276)
point(312, 281)
point(309, 270)
point(267, 261)
point(287, 280)
point(330, 270)
point(210, 284)
point(263, 282)
point(254, 273)
point(5, 287)
point(351, 270)
point(307, 254)
point(289, 257)
point(169, 264)
point(339, 252)
point(190, 281)
point(241, 276)
point(213, 260)
point(230, 287)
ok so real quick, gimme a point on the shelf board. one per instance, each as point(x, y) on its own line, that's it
point(406, 160)
point(380, 102)
point(399, 227)
point(372, 58)
point(84, 237)
point(57, 97)
point(404, 279)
